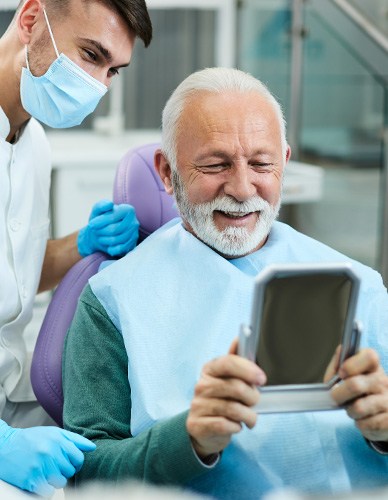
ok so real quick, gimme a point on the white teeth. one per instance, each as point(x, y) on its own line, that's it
point(236, 214)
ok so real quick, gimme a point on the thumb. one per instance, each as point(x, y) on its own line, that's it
point(333, 365)
point(101, 207)
point(233, 349)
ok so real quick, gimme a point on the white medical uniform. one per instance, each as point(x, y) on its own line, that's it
point(25, 171)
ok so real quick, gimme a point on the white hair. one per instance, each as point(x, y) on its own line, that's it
point(215, 80)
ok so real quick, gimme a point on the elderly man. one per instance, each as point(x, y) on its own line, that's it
point(57, 59)
point(147, 372)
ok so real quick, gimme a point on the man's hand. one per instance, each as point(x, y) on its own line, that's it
point(364, 393)
point(223, 401)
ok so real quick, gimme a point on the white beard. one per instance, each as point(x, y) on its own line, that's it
point(231, 241)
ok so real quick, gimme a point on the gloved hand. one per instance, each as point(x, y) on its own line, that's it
point(112, 229)
point(40, 459)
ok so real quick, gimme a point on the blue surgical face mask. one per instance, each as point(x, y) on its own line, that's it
point(64, 95)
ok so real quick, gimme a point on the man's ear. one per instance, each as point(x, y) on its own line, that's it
point(163, 168)
point(29, 14)
point(288, 154)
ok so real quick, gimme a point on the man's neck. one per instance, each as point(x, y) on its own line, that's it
point(10, 70)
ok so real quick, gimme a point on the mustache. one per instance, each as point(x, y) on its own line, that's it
point(230, 204)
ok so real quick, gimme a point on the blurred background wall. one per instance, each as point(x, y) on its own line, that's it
point(325, 60)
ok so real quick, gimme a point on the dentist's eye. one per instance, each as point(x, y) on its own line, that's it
point(113, 72)
point(90, 55)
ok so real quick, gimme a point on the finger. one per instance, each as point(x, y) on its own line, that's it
point(122, 213)
point(57, 481)
point(101, 207)
point(212, 426)
point(360, 385)
point(115, 249)
point(233, 349)
point(113, 216)
point(123, 209)
point(118, 250)
point(64, 464)
point(110, 223)
point(67, 468)
point(43, 489)
point(365, 361)
point(79, 441)
point(230, 410)
point(118, 230)
point(119, 239)
point(74, 456)
point(231, 389)
point(101, 221)
point(368, 406)
point(58, 466)
point(231, 366)
point(332, 367)
point(375, 427)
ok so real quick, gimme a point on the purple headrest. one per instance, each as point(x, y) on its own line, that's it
point(138, 184)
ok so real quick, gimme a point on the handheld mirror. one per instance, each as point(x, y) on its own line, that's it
point(301, 313)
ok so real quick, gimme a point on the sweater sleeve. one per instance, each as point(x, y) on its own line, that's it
point(97, 405)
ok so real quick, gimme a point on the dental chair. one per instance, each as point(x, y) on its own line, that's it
point(137, 183)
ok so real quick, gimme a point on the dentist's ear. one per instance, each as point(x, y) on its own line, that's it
point(163, 168)
point(27, 18)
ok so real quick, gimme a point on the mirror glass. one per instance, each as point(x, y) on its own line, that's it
point(303, 322)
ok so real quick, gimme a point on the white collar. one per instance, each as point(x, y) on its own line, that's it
point(5, 127)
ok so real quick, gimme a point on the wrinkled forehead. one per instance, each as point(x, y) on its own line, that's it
point(228, 105)
point(210, 115)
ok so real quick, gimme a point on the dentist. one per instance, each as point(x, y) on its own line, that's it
point(57, 59)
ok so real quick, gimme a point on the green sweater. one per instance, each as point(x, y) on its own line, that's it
point(97, 404)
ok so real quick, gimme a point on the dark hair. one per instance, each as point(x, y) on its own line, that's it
point(133, 12)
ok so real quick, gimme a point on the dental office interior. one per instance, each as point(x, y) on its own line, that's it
point(327, 63)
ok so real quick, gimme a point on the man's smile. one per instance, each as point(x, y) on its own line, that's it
point(234, 215)
point(236, 218)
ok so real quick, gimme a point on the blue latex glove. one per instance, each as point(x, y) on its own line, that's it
point(112, 229)
point(40, 459)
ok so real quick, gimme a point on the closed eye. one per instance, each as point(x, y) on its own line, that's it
point(214, 167)
point(262, 166)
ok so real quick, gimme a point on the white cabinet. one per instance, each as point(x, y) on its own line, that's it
point(75, 191)
point(9, 4)
point(84, 166)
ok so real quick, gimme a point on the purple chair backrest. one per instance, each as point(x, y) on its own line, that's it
point(137, 183)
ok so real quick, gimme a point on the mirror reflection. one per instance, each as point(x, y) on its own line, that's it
point(303, 322)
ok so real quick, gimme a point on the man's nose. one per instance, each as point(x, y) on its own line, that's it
point(240, 183)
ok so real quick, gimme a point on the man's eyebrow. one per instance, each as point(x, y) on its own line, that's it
point(222, 155)
point(106, 54)
point(213, 154)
